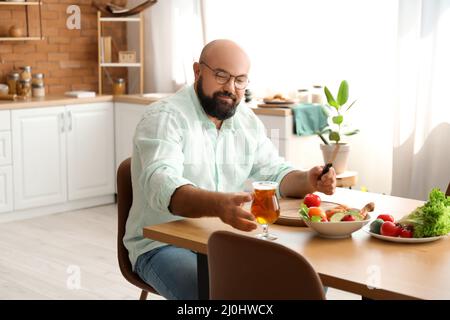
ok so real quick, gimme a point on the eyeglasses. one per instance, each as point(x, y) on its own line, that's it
point(222, 77)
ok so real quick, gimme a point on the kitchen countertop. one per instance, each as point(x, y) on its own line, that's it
point(146, 99)
point(49, 101)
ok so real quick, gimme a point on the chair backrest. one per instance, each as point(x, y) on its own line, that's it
point(242, 267)
point(124, 202)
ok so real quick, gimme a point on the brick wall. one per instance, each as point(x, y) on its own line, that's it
point(68, 58)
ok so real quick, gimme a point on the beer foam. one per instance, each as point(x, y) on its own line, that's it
point(265, 185)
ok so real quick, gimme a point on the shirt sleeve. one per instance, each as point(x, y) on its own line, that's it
point(268, 165)
point(158, 140)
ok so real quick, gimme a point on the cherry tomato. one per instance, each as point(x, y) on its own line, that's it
point(312, 200)
point(390, 229)
point(348, 217)
point(405, 233)
point(317, 211)
point(386, 217)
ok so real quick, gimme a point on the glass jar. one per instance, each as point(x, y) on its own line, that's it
point(119, 86)
point(316, 95)
point(38, 90)
point(303, 95)
point(25, 73)
point(24, 88)
point(38, 79)
point(12, 79)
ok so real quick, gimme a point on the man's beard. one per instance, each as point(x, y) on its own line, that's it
point(215, 107)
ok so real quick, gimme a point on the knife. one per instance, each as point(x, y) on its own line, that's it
point(329, 164)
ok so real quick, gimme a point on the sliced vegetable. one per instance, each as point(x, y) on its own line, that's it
point(338, 216)
point(303, 212)
point(317, 212)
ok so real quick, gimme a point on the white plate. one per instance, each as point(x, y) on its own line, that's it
point(403, 240)
point(269, 101)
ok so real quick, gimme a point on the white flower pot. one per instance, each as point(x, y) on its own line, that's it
point(340, 163)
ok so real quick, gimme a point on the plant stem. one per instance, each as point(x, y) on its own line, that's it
point(323, 139)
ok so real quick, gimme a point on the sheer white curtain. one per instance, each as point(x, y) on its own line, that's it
point(421, 155)
point(298, 43)
point(173, 38)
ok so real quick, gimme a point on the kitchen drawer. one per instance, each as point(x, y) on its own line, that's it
point(5, 120)
point(5, 147)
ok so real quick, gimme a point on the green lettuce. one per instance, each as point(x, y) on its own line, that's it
point(432, 219)
point(303, 212)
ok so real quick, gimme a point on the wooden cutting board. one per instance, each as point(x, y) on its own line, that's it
point(276, 105)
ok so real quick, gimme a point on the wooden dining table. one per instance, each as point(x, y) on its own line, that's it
point(361, 264)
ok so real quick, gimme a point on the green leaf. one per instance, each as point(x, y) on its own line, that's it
point(432, 219)
point(351, 133)
point(343, 93)
point(303, 211)
point(330, 99)
point(334, 136)
point(351, 105)
point(338, 119)
point(316, 219)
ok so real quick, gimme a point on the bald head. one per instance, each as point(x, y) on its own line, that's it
point(221, 59)
point(224, 49)
point(226, 54)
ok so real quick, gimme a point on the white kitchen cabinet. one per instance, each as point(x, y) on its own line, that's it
point(39, 157)
point(61, 154)
point(127, 117)
point(5, 147)
point(6, 185)
point(90, 150)
point(301, 151)
point(6, 189)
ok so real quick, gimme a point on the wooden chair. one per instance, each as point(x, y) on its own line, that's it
point(242, 267)
point(447, 193)
point(124, 201)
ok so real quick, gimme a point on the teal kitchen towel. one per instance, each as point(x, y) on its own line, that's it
point(308, 119)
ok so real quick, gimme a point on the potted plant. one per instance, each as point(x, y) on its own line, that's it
point(333, 150)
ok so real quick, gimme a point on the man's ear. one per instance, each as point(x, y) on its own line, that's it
point(196, 68)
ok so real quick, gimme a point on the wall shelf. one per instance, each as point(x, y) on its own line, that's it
point(22, 39)
point(117, 64)
point(118, 19)
point(13, 3)
point(26, 4)
point(139, 55)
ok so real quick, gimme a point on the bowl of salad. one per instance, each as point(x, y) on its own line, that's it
point(331, 220)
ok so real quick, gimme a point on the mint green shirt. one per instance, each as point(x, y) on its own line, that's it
point(175, 144)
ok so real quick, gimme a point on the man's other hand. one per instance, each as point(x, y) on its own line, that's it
point(326, 184)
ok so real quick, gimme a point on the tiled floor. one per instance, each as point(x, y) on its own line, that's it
point(69, 255)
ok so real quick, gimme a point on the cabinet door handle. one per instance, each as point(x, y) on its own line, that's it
point(61, 122)
point(70, 120)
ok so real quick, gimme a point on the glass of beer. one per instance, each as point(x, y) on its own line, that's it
point(265, 206)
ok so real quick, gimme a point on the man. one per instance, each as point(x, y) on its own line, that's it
point(192, 154)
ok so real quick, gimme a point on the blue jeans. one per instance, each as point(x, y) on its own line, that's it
point(171, 271)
